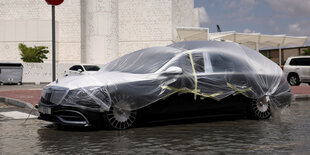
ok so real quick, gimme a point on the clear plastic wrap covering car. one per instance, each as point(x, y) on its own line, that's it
point(208, 69)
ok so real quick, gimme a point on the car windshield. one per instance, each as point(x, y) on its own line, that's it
point(91, 68)
point(143, 61)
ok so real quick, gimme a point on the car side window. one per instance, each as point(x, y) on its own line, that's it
point(73, 68)
point(300, 62)
point(198, 62)
point(80, 67)
point(227, 63)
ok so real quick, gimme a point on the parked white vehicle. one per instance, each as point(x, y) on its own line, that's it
point(82, 69)
point(297, 70)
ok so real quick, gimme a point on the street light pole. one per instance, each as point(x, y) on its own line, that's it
point(53, 44)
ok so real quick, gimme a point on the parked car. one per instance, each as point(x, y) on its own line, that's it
point(297, 70)
point(82, 69)
point(185, 80)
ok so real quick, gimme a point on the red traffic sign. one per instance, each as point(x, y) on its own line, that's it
point(54, 2)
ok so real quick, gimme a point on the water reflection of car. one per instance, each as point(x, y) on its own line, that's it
point(186, 80)
point(82, 69)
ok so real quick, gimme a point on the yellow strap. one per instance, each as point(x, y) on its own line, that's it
point(239, 91)
point(196, 92)
point(194, 73)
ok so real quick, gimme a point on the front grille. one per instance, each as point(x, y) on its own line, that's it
point(53, 95)
point(46, 101)
point(48, 96)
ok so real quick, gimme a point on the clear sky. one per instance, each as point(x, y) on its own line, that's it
point(290, 17)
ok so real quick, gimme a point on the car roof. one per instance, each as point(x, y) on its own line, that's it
point(304, 56)
point(196, 46)
point(201, 44)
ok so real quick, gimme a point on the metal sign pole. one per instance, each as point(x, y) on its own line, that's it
point(53, 44)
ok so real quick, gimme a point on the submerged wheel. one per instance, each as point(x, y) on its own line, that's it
point(260, 108)
point(293, 80)
point(117, 118)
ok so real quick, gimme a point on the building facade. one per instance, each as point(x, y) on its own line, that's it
point(92, 31)
point(287, 52)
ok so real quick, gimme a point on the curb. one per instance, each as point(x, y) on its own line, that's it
point(16, 102)
point(19, 103)
point(301, 97)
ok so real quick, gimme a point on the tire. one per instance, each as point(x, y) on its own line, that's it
point(260, 108)
point(120, 119)
point(293, 80)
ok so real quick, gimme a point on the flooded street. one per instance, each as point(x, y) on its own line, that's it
point(286, 134)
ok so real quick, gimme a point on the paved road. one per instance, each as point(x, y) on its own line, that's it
point(286, 133)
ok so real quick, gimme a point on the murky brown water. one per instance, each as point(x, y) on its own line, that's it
point(289, 133)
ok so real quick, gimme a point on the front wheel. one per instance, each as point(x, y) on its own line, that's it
point(260, 108)
point(120, 119)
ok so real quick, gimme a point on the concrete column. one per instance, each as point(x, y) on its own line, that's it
point(99, 31)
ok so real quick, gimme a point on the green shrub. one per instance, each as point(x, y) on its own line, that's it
point(33, 54)
point(306, 51)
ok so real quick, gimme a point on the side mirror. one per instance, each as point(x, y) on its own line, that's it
point(80, 70)
point(173, 70)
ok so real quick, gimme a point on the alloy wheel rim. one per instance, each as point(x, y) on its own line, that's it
point(261, 107)
point(121, 119)
point(293, 80)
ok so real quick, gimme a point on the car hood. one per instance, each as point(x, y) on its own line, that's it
point(100, 90)
point(100, 79)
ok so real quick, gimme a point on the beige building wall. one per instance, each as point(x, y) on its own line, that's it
point(99, 31)
point(144, 24)
point(92, 31)
point(29, 22)
point(183, 15)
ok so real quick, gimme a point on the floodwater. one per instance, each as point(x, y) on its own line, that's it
point(284, 134)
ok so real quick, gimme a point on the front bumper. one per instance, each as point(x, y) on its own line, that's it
point(68, 116)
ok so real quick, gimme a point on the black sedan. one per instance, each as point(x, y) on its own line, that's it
point(185, 80)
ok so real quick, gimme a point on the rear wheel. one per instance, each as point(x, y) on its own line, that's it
point(260, 108)
point(293, 80)
point(117, 118)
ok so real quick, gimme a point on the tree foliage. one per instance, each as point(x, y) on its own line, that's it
point(306, 51)
point(33, 54)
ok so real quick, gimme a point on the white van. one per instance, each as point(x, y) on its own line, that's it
point(297, 70)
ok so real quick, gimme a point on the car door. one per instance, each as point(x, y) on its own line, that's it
point(214, 73)
point(187, 103)
point(305, 69)
point(173, 104)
